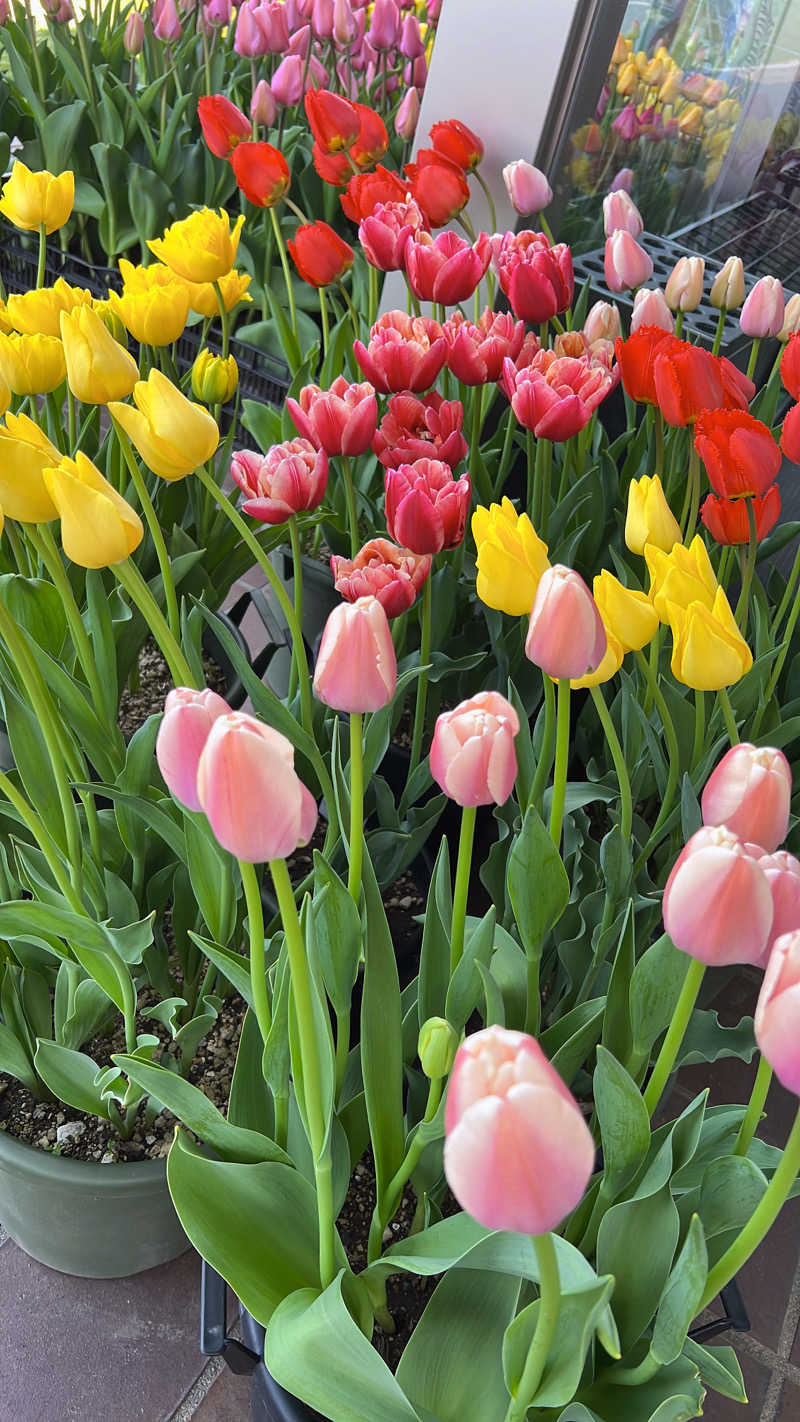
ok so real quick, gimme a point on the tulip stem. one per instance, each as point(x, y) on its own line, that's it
point(699, 726)
point(356, 807)
point(42, 255)
point(728, 716)
point(258, 969)
point(287, 276)
point(297, 580)
point(546, 1325)
point(489, 199)
point(674, 757)
point(223, 319)
point(323, 311)
point(156, 531)
point(692, 500)
point(755, 1107)
point(463, 867)
point(508, 438)
point(373, 290)
point(742, 607)
point(140, 594)
point(43, 838)
point(675, 1035)
point(659, 425)
point(542, 775)
point(422, 680)
point(618, 757)
point(761, 1220)
point(754, 349)
point(562, 754)
point(352, 509)
point(718, 333)
point(386, 1209)
point(307, 1034)
point(530, 502)
point(44, 543)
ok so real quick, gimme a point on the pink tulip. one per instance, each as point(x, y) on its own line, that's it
point(749, 792)
point(566, 636)
point(777, 1017)
point(684, 288)
point(410, 44)
point(385, 25)
point(404, 353)
point(356, 667)
point(291, 478)
point(518, 1153)
point(620, 214)
point(263, 108)
point(626, 264)
point(445, 269)
point(527, 187)
point(717, 903)
point(623, 181)
point(322, 19)
point(472, 754)
point(300, 41)
point(168, 26)
point(133, 38)
point(602, 322)
point(782, 872)
point(477, 350)
point(184, 730)
point(340, 420)
point(426, 507)
point(419, 73)
point(318, 76)
point(650, 309)
point(345, 27)
point(537, 279)
point(762, 313)
point(287, 81)
point(420, 427)
point(626, 124)
point(555, 396)
point(384, 234)
point(380, 569)
point(249, 39)
point(250, 793)
point(5, 12)
point(407, 116)
point(273, 17)
point(217, 12)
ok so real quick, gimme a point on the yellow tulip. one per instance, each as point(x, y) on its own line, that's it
point(214, 380)
point(32, 365)
point(203, 298)
point(609, 666)
point(173, 435)
point(649, 518)
point(31, 200)
point(727, 288)
point(200, 247)
point(98, 369)
point(111, 319)
point(156, 317)
point(690, 121)
point(671, 86)
point(628, 77)
point(38, 312)
point(25, 451)
point(98, 528)
point(622, 50)
point(680, 577)
point(708, 650)
point(136, 280)
point(628, 615)
point(511, 558)
point(5, 395)
point(5, 324)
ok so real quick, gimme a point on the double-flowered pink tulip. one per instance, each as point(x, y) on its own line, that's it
point(445, 268)
point(566, 636)
point(380, 569)
point(290, 478)
point(777, 1018)
point(472, 753)
point(404, 353)
point(518, 1153)
point(356, 667)
point(717, 903)
point(340, 420)
point(184, 730)
point(426, 507)
point(749, 792)
point(247, 786)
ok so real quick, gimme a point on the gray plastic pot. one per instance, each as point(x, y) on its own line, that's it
point(80, 1217)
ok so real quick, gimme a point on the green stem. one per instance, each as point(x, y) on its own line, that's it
point(43, 838)
point(728, 716)
point(42, 255)
point(489, 199)
point(505, 457)
point(461, 889)
point(751, 364)
point(135, 586)
point(675, 1034)
point(287, 276)
point(352, 510)
point(782, 655)
point(562, 753)
point(156, 532)
point(532, 456)
point(297, 579)
point(760, 1222)
point(258, 968)
point(356, 807)
point(659, 442)
point(546, 1325)
point(323, 311)
point(43, 541)
point(719, 331)
point(693, 493)
point(373, 295)
point(618, 757)
point(422, 680)
point(342, 1050)
point(542, 775)
point(386, 1208)
point(742, 607)
point(755, 1107)
point(544, 474)
point(699, 726)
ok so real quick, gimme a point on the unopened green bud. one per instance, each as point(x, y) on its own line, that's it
point(437, 1047)
point(214, 379)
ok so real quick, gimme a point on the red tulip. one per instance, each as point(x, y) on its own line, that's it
point(790, 435)
point(458, 143)
point(445, 269)
point(404, 353)
point(290, 478)
point(738, 451)
point(537, 279)
point(380, 569)
point(737, 390)
point(476, 351)
point(790, 366)
point(366, 190)
point(727, 521)
point(332, 119)
point(340, 420)
point(320, 255)
point(384, 234)
point(224, 126)
point(414, 428)
point(687, 381)
point(636, 360)
point(426, 508)
point(438, 186)
point(261, 172)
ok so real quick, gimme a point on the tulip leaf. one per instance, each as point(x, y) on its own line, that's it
point(624, 1123)
point(33, 762)
point(434, 966)
point(617, 1032)
point(706, 1039)
point(642, 1228)
point(577, 1322)
point(732, 1188)
point(464, 991)
point(381, 1038)
point(655, 987)
point(586, 1020)
point(673, 1395)
point(71, 1076)
point(250, 1101)
point(337, 932)
point(680, 1300)
point(15, 1061)
point(537, 883)
point(210, 873)
point(718, 1367)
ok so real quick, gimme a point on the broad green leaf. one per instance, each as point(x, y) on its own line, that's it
point(656, 984)
point(434, 968)
point(624, 1123)
point(577, 1320)
point(337, 933)
point(617, 1034)
point(454, 1354)
point(464, 992)
point(250, 1102)
point(210, 874)
point(718, 1367)
point(234, 966)
point(631, 1232)
point(675, 1394)
point(381, 1038)
point(537, 883)
point(586, 1024)
point(680, 1300)
point(71, 1076)
point(15, 1060)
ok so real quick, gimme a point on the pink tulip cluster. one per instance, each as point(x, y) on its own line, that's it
point(556, 395)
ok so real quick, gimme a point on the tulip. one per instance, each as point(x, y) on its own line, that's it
point(98, 528)
point(458, 143)
point(790, 364)
point(223, 125)
point(636, 359)
point(133, 38)
point(472, 754)
point(407, 116)
point(261, 172)
point(341, 420)
point(380, 569)
point(247, 786)
point(287, 81)
point(420, 428)
point(184, 730)
point(708, 651)
point(740, 456)
point(404, 353)
point(790, 429)
point(291, 478)
point(687, 381)
point(649, 520)
point(250, 39)
point(537, 279)
point(527, 187)
point(791, 318)
point(411, 43)
point(372, 139)
point(345, 27)
point(727, 288)
point(167, 26)
point(173, 435)
point(384, 234)
point(217, 13)
point(365, 191)
point(426, 507)
point(629, 615)
point(681, 576)
point(620, 214)
point(439, 187)
point(518, 1154)
point(320, 255)
point(626, 124)
point(98, 369)
point(273, 19)
point(156, 317)
point(602, 322)
point(356, 668)
point(31, 365)
point(34, 200)
point(201, 247)
point(214, 378)
point(749, 792)
point(263, 108)
point(25, 452)
point(437, 1045)
point(566, 636)
point(610, 664)
point(782, 873)
point(333, 120)
point(477, 350)
point(556, 396)
point(762, 313)
point(777, 1018)
point(232, 288)
point(322, 19)
point(445, 269)
point(626, 264)
point(511, 558)
point(684, 290)
point(650, 309)
point(717, 903)
point(385, 25)
point(38, 312)
point(727, 520)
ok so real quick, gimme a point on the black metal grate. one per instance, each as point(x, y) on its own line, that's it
point(764, 230)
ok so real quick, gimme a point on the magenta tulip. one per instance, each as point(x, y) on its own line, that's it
point(566, 636)
point(385, 232)
point(407, 116)
point(472, 754)
point(340, 420)
point(717, 903)
point(749, 792)
point(445, 269)
point(287, 81)
point(426, 507)
point(777, 1017)
point(250, 793)
point(537, 278)
point(356, 667)
point(291, 478)
point(184, 730)
point(404, 353)
point(476, 351)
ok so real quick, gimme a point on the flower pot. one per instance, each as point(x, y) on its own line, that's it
point(80, 1217)
point(319, 599)
point(269, 1401)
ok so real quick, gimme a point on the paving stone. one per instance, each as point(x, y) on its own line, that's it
point(228, 1399)
point(766, 1279)
point(756, 1381)
point(789, 1408)
point(97, 1350)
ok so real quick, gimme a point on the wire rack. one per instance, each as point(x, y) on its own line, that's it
point(764, 230)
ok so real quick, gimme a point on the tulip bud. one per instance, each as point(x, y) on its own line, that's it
point(385, 24)
point(727, 288)
point(762, 313)
point(749, 792)
point(717, 903)
point(133, 38)
point(249, 791)
point(623, 182)
point(185, 726)
point(345, 27)
point(650, 309)
point(791, 318)
point(620, 214)
point(566, 636)
point(405, 123)
point(626, 264)
point(168, 26)
point(356, 668)
point(527, 187)
point(287, 81)
point(263, 108)
point(437, 1047)
point(777, 1015)
point(214, 379)
point(602, 322)
point(684, 290)
point(782, 873)
point(472, 754)
point(98, 369)
point(649, 519)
